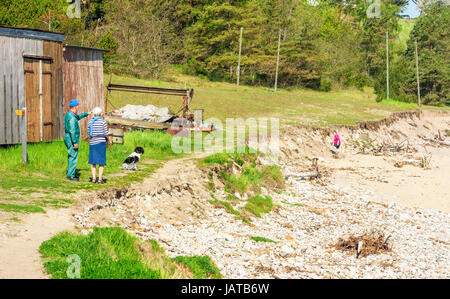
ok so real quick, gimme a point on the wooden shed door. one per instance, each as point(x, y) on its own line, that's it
point(38, 99)
point(47, 116)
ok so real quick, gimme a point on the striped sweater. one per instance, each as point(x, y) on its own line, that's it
point(99, 132)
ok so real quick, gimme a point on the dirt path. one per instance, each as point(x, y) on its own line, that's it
point(19, 242)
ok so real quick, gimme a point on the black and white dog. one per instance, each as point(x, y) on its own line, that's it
point(132, 160)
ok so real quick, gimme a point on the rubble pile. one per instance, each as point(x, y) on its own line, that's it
point(146, 113)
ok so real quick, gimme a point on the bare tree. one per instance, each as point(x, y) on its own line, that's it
point(143, 36)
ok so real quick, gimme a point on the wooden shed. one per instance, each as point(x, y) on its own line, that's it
point(83, 79)
point(30, 76)
point(42, 74)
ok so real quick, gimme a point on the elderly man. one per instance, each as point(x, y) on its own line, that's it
point(72, 138)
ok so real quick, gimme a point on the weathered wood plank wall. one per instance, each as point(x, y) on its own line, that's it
point(83, 80)
point(12, 86)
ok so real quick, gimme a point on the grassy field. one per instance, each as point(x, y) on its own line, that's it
point(111, 253)
point(42, 182)
point(223, 100)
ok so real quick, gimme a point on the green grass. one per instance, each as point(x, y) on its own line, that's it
point(201, 266)
point(259, 205)
point(223, 100)
point(50, 159)
point(226, 205)
point(45, 173)
point(23, 209)
point(404, 105)
point(112, 253)
point(251, 178)
point(262, 239)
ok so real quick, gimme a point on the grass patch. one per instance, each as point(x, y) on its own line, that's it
point(251, 177)
point(246, 221)
point(227, 159)
point(112, 253)
point(259, 205)
point(49, 160)
point(262, 239)
point(23, 209)
point(225, 205)
point(405, 105)
point(201, 266)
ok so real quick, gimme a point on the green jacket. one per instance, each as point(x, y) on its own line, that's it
point(72, 129)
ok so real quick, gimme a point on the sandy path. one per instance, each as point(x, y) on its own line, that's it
point(19, 242)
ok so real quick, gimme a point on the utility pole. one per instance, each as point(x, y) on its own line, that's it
point(239, 60)
point(387, 65)
point(417, 74)
point(278, 61)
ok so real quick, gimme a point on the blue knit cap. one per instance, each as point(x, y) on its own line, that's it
point(73, 103)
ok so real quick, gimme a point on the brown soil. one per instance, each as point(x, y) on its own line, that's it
point(174, 194)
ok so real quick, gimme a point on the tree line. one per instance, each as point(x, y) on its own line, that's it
point(324, 43)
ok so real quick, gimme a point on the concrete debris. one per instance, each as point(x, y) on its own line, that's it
point(139, 112)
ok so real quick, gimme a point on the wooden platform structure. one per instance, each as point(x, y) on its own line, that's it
point(133, 123)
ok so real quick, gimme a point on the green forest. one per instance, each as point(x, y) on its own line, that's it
point(325, 44)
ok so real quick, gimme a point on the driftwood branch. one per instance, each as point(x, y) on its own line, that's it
point(313, 173)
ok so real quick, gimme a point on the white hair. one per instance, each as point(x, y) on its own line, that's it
point(97, 111)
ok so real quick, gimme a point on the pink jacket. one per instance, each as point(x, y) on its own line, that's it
point(337, 140)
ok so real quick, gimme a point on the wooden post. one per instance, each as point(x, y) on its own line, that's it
point(417, 74)
point(107, 95)
point(24, 136)
point(278, 61)
point(239, 59)
point(387, 65)
point(23, 133)
point(41, 124)
point(106, 101)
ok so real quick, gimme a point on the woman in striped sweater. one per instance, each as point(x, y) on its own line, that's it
point(98, 133)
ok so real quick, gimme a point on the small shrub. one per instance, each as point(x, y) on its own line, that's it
point(325, 85)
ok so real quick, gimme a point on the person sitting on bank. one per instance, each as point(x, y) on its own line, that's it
point(98, 133)
point(72, 138)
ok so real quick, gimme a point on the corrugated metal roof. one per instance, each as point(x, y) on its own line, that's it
point(32, 34)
